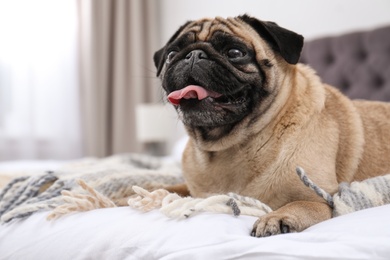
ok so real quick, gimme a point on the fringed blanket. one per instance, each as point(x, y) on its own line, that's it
point(112, 176)
point(92, 184)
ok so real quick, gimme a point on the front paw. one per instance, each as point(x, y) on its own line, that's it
point(293, 217)
point(272, 224)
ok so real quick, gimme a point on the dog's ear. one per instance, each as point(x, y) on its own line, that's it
point(159, 56)
point(158, 59)
point(289, 44)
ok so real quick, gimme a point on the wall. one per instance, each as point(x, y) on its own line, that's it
point(308, 17)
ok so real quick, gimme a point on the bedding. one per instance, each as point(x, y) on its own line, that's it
point(113, 176)
point(125, 233)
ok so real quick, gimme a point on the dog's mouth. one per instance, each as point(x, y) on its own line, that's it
point(194, 93)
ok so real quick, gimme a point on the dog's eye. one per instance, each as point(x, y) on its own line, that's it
point(171, 55)
point(235, 53)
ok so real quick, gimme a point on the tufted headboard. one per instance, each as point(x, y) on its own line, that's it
point(356, 63)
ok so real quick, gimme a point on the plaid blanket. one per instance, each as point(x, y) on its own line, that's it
point(112, 176)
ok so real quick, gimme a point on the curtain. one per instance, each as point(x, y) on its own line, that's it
point(72, 74)
point(117, 40)
point(39, 98)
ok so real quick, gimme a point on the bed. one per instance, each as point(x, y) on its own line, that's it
point(358, 63)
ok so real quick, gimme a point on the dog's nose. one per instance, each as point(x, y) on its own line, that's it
point(196, 55)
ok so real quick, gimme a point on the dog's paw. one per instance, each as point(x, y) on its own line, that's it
point(293, 217)
point(274, 223)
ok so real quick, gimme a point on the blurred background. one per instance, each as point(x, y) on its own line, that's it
point(77, 77)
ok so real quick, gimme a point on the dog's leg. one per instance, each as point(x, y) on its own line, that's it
point(293, 217)
point(180, 189)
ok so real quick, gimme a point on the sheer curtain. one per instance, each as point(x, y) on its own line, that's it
point(39, 91)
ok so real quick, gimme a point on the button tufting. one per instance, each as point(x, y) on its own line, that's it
point(361, 55)
point(329, 59)
point(356, 63)
point(378, 82)
point(345, 85)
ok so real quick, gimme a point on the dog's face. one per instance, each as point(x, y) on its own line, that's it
point(219, 72)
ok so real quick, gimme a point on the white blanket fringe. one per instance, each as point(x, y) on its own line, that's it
point(81, 202)
point(174, 206)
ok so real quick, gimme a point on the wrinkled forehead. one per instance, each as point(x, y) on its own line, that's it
point(205, 28)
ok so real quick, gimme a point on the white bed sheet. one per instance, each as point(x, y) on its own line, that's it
point(124, 233)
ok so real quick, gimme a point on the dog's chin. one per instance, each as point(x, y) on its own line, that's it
point(223, 111)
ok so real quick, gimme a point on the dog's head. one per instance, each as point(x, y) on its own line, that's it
point(220, 73)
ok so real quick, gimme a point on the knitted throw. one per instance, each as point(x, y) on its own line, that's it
point(355, 196)
point(94, 184)
point(369, 193)
point(112, 177)
point(350, 197)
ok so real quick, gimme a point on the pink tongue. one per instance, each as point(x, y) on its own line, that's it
point(191, 91)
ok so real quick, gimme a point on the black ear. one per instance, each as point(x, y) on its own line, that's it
point(159, 55)
point(289, 44)
point(158, 59)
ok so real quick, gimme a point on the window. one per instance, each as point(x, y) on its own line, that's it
point(39, 109)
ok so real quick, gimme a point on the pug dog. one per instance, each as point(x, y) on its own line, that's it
point(253, 114)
